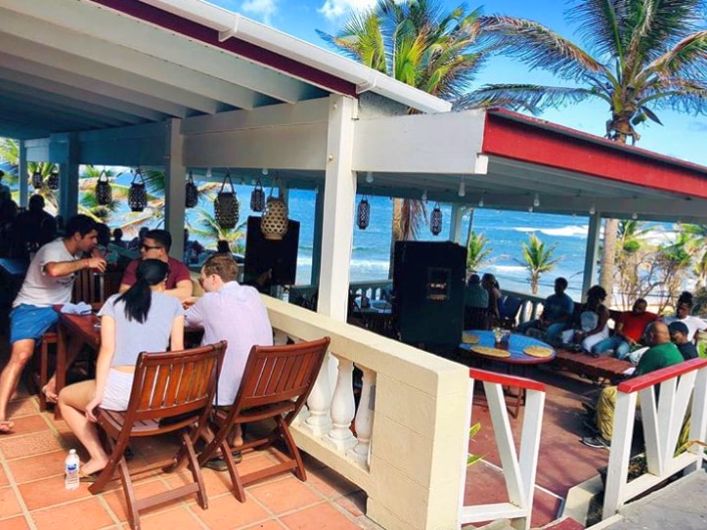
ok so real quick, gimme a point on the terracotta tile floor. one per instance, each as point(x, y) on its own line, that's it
point(32, 494)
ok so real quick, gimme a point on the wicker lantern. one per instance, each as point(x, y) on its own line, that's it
point(257, 198)
point(226, 207)
point(137, 194)
point(436, 220)
point(191, 192)
point(104, 193)
point(37, 180)
point(363, 214)
point(53, 180)
point(274, 222)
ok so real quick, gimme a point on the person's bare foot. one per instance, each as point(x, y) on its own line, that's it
point(49, 391)
point(6, 426)
point(93, 466)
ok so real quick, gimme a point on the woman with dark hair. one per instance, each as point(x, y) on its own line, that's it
point(143, 318)
point(489, 282)
point(592, 327)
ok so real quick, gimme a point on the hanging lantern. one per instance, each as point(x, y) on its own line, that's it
point(53, 180)
point(37, 180)
point(436, 220)
point(226, 207)
point(274, 222)
point(257, 198)
point(104, 194)
point(191, 192)
point(137, 194)
point(363, 215)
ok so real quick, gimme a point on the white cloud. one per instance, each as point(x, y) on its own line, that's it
point(333, 9)
point(262, 9)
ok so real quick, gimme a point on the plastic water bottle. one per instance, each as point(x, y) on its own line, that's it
point(71, 470)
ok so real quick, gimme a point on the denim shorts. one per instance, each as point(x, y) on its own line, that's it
point(30, 322)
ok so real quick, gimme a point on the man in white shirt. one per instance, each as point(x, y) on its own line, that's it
point(49, 281)
point(232, 312)
point(693, 323)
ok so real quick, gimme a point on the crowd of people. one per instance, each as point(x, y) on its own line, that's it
point(149, 313)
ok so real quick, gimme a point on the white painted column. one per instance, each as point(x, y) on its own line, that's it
point(69, 178)
point(22, 174)
point(590, 257)
point(364, 418)
point(317, 240)
point(455, 227)
point(339, 196)
point(343, 408)
point(175, 181)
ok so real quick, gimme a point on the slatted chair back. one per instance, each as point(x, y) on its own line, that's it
point(174, 383)
point(85, 287)
point(279, 373)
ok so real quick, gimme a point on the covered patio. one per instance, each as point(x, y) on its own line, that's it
point(187, 86)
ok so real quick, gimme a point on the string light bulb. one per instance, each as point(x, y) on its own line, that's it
point(481, 201)
point(424, 196)
point(536, 201)
point(592, 210)
point(369, 177)
point(265, 172)
point(462, 187)
point(530, 209)
point(208, 172)
point(634, 216)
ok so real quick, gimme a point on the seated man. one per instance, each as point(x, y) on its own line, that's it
point(693, 323)
point(156, 245)
point(678, 334)
point(628, 331)
point(232, 312)
point(476, 302)
point(556, 315)
point(49, 281)
point(661, 354)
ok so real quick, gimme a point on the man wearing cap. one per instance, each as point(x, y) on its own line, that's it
point(679, 334)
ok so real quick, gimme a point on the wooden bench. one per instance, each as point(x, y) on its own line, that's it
point(597, 369)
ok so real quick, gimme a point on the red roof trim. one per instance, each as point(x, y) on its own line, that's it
point(653, 378)
point(234, 45)
point(512, 135)
point(507, 380)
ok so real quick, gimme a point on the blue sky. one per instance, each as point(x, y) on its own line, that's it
point(682, 136)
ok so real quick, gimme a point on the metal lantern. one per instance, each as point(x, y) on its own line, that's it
point(274, 222)
point(37, 180)
point(363, 214)
point(226, 207)
point(257, 198)
point(191, 192)
point(137, 194)
point(104, 193)
point(436, 220)
point(53, 180)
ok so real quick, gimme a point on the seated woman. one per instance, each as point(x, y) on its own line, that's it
point(141, 319)
point(592, 327)
point(489, 282)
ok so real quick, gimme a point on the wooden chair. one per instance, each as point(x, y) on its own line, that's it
point(176, 386)
point(276, 383)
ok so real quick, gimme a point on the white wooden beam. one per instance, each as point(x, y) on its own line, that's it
point(455, 227)
point(339, 196)
point(175, 180)
point(591, 253)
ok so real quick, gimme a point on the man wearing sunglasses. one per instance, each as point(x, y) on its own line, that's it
point(156, 245)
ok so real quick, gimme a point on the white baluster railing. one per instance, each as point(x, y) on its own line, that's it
point(343, 408)
point(530, 309)
point(518, 471)
point(364, 418)
point(681, 386)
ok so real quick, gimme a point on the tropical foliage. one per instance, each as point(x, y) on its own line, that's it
point(207, 227)
point(538, 259)
point(477, 251)
point(10, 153)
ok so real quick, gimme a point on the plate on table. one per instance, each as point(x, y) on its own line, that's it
point(470, 338)
point(538, 351)
point(491, 352)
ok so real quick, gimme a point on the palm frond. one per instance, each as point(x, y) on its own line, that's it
point(531, 98)
point(602, 24)
point(540, 47)
point(687, 59)
point(684, 95)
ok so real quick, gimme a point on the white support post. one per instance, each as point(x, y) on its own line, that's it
point(455, 227)
point(617, 473)
point(698, 419)
point(364, 418)
point(529, 450)
point(590, 257)
point(317, 238)
point(22, 174)
point(339, 196)
point(69, 179)
point(343, 408)
point(175, 181)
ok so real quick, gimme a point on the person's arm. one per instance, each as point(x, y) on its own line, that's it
point(194, 316)
point(56, 269)
point(182, 291)
point(105, 358)
point(129, 278)
point(603, 319)
point(177, 335)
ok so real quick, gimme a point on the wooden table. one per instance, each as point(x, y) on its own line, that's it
point(518, 360)
point(597, 369)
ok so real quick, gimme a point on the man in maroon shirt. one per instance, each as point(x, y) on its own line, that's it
point(156, 245)
point(628, 331)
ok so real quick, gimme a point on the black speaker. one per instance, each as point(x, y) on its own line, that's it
point(428, 280)
point(279, 256)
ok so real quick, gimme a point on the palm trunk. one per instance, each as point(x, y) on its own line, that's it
point(395, 233)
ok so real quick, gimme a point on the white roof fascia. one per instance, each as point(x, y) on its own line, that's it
point(230, 24)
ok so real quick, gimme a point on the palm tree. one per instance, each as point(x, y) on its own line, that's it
point(641, 56)
point(674, 258)
point(631, 243)
point(537, 258)
point(10, 153)
point(421, 44)
point(208, 227)
point(477, 251)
